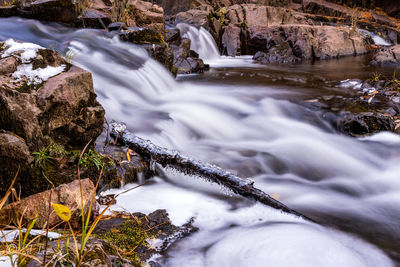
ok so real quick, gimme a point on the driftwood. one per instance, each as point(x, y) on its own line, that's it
point(172, 159)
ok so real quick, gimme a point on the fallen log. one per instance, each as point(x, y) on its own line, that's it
point(173, 159)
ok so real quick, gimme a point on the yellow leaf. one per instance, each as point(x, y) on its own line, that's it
point(62, 211)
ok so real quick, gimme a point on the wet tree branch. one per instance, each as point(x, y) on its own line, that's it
point(172, 159)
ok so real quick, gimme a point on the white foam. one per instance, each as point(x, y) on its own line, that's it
point(378, 40)
point(383, 137)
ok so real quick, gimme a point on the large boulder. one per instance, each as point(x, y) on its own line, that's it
point(240, 21)
point(65, 11)
point(365, 123)
point(306, 42)
point(42, 96)
point(387, 57)
point(15, 157)
point(138, 13)
point(197, 17)
point(187, 61)
point(39, 205)
point(43, 100)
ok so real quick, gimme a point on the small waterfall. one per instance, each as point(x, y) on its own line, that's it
point(378, 40)
point(201, 41)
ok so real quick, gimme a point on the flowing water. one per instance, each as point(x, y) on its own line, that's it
point(247, 118)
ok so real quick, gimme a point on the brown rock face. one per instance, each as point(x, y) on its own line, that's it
point(197, 17)
point(308, 42)
point(67, 194)
point(387, 57)
point(146, 15)
point(231, 40)
point(138, 13)
point(64, 107)
point(173, 7)
point(36, 108)
point(66, 11)
point(283, 35)
point(70, 111)
point(14, 155)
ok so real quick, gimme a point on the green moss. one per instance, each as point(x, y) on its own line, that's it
point(8, 3)
point(28, 86)
point(130, 237)
point(92, 158)
point(221, 14)
point(375, 77)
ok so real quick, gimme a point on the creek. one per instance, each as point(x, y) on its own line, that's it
point(251, 120)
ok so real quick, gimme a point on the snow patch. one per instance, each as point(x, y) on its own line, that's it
point(351, 83)
point(37, 76)
point(6, 261)
point(10, 235)
point(28, 50)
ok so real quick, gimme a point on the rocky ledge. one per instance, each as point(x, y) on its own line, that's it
point(300, 30)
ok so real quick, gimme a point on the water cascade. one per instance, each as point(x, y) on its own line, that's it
point(378, 40)
point(201, 41)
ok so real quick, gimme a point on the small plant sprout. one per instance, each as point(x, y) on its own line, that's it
point(375, 77)
point(42, 158)
point(92, 157)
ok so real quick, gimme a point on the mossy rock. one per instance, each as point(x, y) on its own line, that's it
point(130, 238)
point(142, 36)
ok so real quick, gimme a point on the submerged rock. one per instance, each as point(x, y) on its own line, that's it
point(187, 61)
point(277, 54)
point(365, 123)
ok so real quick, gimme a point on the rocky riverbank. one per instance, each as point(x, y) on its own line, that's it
point(50, 119)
